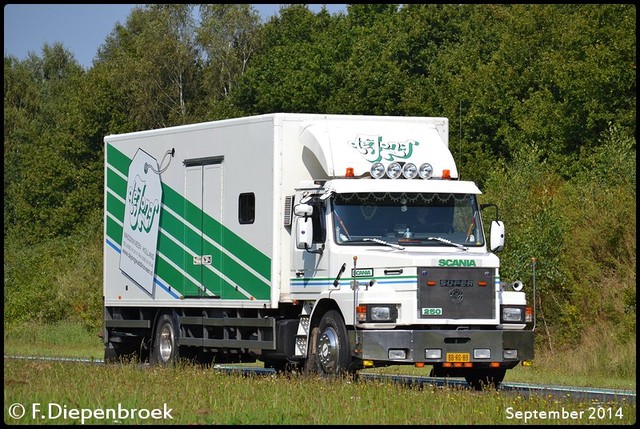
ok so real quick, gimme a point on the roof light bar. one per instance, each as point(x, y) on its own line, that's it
point(394, 170)
point(377, 170)
point(425, 171)
point(409, 170)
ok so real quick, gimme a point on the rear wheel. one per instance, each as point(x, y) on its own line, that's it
point(164, 350)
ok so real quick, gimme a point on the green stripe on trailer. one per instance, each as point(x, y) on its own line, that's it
point(114, 229)
point(118, 160)
point(217, 232)
point(116, 183)
point(115, 208)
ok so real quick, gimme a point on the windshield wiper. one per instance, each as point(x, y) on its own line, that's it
point(445, 241)
point(377, 240)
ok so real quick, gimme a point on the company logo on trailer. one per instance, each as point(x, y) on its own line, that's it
point(141, 220)
point(143, 210)
point(374, 149)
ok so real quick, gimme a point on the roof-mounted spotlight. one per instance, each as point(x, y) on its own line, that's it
point(425, 171)
point(377, 170)
point(394, 170)
point(409, 170)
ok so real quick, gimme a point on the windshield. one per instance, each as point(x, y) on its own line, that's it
point(407, 219)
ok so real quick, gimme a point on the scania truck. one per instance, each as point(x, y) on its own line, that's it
point(318, 243)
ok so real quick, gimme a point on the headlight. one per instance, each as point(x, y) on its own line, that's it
point(375, 313)
point(380, 314)
point(513, 314)
point(482, 353)
point(510, 354)
point(433, 353)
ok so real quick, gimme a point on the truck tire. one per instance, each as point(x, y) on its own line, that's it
point(310, 366)
point(486, 379)
point(330, 353)
point(164, 350)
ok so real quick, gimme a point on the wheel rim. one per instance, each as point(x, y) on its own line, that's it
point(329, 350)
point(165, 345)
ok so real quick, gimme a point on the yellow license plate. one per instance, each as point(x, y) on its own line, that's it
point(458, 357)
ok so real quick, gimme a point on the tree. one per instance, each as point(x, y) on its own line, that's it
point(21, 103)
point(41, 147)
point(228, 36)
point(152, 65)
point(295, 71)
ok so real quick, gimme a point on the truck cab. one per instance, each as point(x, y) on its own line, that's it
point(401, 251)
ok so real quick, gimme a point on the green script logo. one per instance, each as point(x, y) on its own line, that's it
point(456, 263)
point(374, 148)
point(142, 210)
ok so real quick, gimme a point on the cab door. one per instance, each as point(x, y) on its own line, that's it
point(309, 267)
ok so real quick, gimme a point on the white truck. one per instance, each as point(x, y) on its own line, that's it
point(311, 242)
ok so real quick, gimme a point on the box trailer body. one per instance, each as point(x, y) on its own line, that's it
point(288, 238)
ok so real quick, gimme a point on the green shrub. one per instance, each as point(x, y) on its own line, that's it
point(57, 279)
point(582, 233)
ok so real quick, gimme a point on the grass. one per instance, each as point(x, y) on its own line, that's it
point(56, 340)
point(64, 393)
point(586, 366)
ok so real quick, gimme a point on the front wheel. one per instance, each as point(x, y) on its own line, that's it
point(164, 350)
point(329, 353)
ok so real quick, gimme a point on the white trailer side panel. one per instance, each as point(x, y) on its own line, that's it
point(205, 255)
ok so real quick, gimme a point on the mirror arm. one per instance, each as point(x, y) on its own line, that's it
point(484, 206)
point(319, 250)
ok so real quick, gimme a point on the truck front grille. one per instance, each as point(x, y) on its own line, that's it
point(456, 293)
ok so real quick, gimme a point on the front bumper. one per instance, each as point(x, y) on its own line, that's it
point(376, 345)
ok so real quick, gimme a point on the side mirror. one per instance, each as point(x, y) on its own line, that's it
point(497, 236)
point(304, 232)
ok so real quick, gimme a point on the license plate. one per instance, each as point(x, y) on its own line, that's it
point(458, 357)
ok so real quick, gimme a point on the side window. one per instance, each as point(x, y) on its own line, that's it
point(247, 208)
point(319, 230)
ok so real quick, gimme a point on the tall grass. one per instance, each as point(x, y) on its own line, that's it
point(63, 339)
point(599, 361)
point(198, 395)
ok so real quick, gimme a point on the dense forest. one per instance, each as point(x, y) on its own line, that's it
point(541, 100)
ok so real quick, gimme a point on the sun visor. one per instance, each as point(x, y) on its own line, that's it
point(356, 143)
